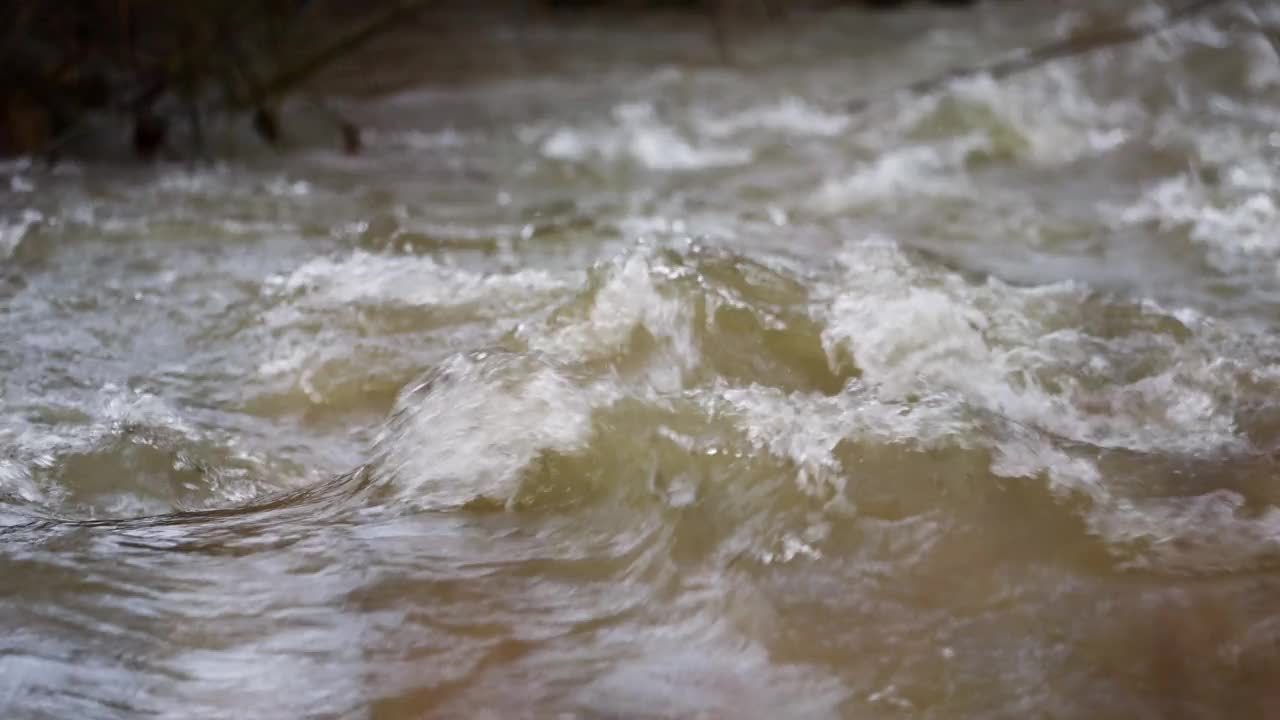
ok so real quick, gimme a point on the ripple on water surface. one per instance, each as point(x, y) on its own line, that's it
point(697, 397)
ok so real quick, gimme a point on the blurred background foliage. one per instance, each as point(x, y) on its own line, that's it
point(159, 68)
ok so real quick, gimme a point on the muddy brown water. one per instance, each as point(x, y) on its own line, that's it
point(613, 389)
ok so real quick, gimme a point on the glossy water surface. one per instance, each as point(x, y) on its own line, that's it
point(643, 389)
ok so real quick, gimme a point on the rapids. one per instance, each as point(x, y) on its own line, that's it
point(632, 388)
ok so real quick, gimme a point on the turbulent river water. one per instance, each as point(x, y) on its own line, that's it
point(669, 390)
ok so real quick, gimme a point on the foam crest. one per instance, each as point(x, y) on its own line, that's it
point(468, 430)
point(1053, 394)
point(1023, 454)
point(132, 433)
point(792, 116)
point(1234, 228)
point(912, 329)
point(419, 140)
point(627, 295)
point(925, 146)
point(1053, 112)
point(638, 135)
point(896, 175)
point(13, 231)
point(369, 278)
point(16, 482)
point(806, 428)
point(1213, 532)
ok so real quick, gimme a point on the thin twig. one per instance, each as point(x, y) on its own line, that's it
point(289, 78)
point(1024, 60)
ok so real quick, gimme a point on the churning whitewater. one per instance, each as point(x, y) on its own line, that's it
point(668, 391)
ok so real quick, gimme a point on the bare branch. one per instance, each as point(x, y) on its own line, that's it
point(1024, 60)
point(289, 78)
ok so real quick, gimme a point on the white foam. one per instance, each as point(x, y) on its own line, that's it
point(638, 227)
point(16, 481)
point(364, 277)
point(13, 231)
point(1048, 118)
point(806, 428)
point(1263, 71)
point(792, 116)
point(1054, 112)
point(707, 676)
point(897, 175)
point(1235, 228)
point(914, 331)
point(330, 286)
point(213, 180)
point(637, 134)
point(420, 140)
point(223, 180)
point(284, 187)
point(116, 412)
point(471, 428)
point(990, 347)
point(628, 296)
point(1199, 534)
point(1026, 455)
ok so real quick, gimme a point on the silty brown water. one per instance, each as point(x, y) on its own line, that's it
point(642, 390)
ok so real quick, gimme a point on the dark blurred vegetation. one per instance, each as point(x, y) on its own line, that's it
point(158, 65)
